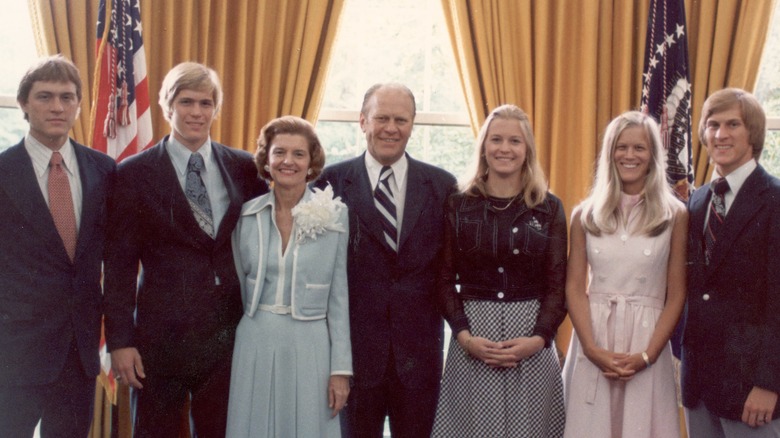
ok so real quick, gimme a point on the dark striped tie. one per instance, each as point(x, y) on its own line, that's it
point(385, 203)
point(719, 188)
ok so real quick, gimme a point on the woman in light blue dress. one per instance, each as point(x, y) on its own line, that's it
point(292, 358)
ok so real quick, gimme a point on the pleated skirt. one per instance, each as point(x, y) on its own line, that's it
point(279, 381)
point(479, 401)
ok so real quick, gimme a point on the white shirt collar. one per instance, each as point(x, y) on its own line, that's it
point(399, 169)
point(180, 154)
point(41, 155)
point(738, 177)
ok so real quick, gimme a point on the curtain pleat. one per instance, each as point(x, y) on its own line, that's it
point(726, 41)
point(264, 75)
point(68, 27)
point(573, 66)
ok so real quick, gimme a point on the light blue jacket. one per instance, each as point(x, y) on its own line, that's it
point(319, 278)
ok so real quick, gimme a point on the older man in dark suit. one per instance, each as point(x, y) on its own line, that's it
point(52, 223)
point(171, 331)
point(731, 354)
point(396, 220)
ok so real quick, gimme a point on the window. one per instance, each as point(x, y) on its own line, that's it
point(17, 50)
point(403, 41)
point(768, 93)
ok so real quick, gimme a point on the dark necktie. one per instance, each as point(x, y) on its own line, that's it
point(198, 196)
point(712, 231)
point(61, 204)
point(385, 203)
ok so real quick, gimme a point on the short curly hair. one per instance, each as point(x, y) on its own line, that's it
point(295, 126)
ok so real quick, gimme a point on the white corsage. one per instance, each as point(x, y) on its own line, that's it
point(317, 215)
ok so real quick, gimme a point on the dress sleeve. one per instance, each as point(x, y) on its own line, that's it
point(450, 303)
point(553, 307)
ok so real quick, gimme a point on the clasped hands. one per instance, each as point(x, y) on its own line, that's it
point(503, 354)
point(616, 366)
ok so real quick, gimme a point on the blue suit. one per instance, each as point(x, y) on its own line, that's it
point(319, 280)
point(48, 304)
point(733, 308)
point(397, 330)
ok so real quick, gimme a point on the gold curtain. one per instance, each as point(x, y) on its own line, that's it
point(573, 66)
point(264, 75)
point(570, 65)
point(272, 57)
point(725, 42)
point(68, 27)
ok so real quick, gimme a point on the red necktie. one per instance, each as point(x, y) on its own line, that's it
point(61, 204)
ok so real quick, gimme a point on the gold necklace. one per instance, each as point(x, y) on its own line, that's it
point(507, 204)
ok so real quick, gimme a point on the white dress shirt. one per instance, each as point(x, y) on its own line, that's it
point(397, 183)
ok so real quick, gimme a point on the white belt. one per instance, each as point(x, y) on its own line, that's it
point(279, 310)
point(617, 307)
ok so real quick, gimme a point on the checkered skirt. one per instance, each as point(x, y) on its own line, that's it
point(479, 401)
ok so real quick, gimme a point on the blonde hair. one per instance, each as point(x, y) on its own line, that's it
point(189, 76)
point(601, 209)
point(533, 183)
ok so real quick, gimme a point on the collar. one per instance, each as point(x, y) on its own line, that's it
point(41, 155)
point(738, 177)
point(180, 155)
point(399, 169)
point(268, 201)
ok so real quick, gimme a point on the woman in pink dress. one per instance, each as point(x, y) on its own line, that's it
point(625, 290)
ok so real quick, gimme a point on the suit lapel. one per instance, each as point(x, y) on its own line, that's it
point(90, 200)
point(415, 201)
point(745, 206)
point(698, 205)
point(358, 189)
point(227, 168)
point(18, 180)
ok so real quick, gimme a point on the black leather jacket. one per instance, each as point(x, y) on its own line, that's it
point(515, 254)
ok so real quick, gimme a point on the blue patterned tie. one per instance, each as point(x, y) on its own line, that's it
point(385, 203)
point(198, 196)
point(719, 188)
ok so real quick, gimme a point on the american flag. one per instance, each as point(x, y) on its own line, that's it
point(666, 88)
point(122, 121)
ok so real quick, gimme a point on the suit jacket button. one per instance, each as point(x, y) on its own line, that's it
point(705, 297)
point(500, 295)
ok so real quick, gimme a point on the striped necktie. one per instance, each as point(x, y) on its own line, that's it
point(719, 188)
point(385, 203)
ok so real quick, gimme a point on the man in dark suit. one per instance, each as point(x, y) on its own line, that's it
point(393, 261)
point(52, 223)
point(731, 354)
point(171, 330)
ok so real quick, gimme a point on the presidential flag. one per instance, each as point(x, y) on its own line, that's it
point(666, 88)
point(122, 120)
